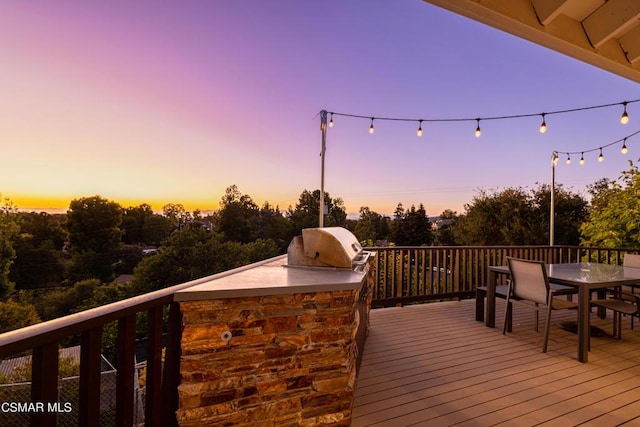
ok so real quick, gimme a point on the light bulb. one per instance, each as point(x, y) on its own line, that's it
point(543, 125)
point(624, 150)
point(331, 121)
point(582, 158)
point(371, 127)
point(600, 157)
point(568, 160)
point(420, 129)
point(478, 129)
point(624, 119)
point(554, 159)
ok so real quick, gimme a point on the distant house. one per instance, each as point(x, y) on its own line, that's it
point(437, 222)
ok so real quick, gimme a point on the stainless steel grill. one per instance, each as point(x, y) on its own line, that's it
point(326, 247)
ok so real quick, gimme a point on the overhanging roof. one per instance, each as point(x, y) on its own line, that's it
point(600, 32)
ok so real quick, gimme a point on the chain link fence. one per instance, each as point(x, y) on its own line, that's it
point(16, 405)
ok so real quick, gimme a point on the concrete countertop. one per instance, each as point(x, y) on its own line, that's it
point(273, 278)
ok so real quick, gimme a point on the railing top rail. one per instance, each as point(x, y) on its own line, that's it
point(373, 248)
point(19, 340)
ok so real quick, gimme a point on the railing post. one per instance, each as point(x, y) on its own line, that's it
point(44, 383)
point(90, 365)
point(153, 384)
point(125, 373)
point(171, 376)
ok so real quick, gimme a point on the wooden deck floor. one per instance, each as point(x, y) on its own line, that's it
point(434, 365)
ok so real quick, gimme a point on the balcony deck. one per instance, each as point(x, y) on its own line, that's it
point(433, 364)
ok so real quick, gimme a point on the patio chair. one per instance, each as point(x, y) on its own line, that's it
point(632, 261)
point(620, 303)
point(530, 285)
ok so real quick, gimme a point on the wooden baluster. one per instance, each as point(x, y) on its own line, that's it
point(126, 366)
point(153, 383)
point(90, 367)
point(44, 383)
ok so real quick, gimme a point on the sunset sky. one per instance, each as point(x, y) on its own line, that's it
point(172, 102)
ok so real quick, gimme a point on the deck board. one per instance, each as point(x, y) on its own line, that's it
point(433, 364)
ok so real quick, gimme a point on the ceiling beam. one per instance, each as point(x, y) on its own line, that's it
point(630, 43)
point(611, 19)
point(548, 10)
point(562, 34)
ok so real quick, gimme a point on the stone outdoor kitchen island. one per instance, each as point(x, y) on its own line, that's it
point(272, 346)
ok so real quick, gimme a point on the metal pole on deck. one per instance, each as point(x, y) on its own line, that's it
point(552, 214)
point(323, 128)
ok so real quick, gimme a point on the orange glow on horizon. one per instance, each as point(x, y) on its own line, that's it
point(61, 203)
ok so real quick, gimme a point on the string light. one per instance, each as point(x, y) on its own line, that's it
point(331, 120)
point(568, 159)
point(543, 125)
point(420, 129)
point(624, 119)
point(371, 127)
point(554, 158)
point(623, 149)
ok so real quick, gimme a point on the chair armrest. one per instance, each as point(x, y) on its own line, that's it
point(626, 296)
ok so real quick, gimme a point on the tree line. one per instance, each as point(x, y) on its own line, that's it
point(53, 265)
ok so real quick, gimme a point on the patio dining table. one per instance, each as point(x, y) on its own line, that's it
point(587, 277)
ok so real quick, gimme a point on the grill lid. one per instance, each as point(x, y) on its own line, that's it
point(324, 247)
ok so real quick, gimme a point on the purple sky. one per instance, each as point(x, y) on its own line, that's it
point(164, 102)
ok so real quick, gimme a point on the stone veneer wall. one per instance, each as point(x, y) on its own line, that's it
point(291, 360)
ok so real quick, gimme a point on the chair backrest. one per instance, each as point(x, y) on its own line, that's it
point(530, 280)
point(631, 260)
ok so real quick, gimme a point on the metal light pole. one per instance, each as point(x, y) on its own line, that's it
point(323, 128)
point(552, 214)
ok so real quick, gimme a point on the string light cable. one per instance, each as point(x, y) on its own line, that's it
point(624, 118)
point(556, 154)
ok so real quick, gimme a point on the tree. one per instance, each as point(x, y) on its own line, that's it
point(497, 218)
point(45, 230)
point(9, 230)
point(15, 315)
point(133, 223)
point(306, 213)
point(411, 227)
point(177, 214)
point(371, 226)
point(94, 224)
point(156, 229)
point(39, 261)
point(515, 216)
point(272, 225)
point(238, 216)
point(614, 220)
point(61, 302)
point(94, 232)
point(571, 210)
point(36, 267)
point(444, 228)
point(193, 253)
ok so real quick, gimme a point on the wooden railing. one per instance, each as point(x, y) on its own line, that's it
point(406, 275)
point(43, 340)
point(403, 275)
